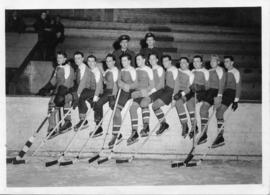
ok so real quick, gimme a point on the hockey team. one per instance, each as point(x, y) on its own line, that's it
point(149, 79)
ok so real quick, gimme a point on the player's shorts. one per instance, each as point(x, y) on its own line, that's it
point(228, 97)
point(210, 94)
point(154, 96)
point(200, 91)
point(123, 98)
point(166, 95)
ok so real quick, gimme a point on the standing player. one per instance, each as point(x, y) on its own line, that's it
point(231, 95)
point(184, 95)
point(150, 40)
point(199, 87)
point(62, 83)
point(145, 86)
point(110, 80)
point(90, 87)
point(165, 95)
point(213, 95)
point(127, 83)
point(123, 40)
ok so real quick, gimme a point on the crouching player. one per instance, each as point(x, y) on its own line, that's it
point(213, 95)
point(110, 91)
point(127, 83)
point(145, 85)
point(231, 95)
point(164, 96)
point(62, 83)
point(184, 95)
point(90, 86)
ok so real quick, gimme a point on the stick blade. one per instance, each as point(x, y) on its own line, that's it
point(66, 163)
point(177, 164)
point(93, 158)
point(119, 161)
point(103, 160)
point(17, 162)
point(194, 164)
point(51, 163)
point(10, 160)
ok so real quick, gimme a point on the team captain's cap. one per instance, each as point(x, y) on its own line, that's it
point(124, 37)
point(149, 35)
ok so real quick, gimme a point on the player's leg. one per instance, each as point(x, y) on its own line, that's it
point(67, 125)
point(145, 116)
point(182, 116)
point(134, 137)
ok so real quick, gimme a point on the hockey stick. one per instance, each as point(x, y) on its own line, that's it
point(189, 158)
point(117, 136)
point(29, 143)
point(144, 141)
point(107, 132)
point(77, 158)
point(46, 138)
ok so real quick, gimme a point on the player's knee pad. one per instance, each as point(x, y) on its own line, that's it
point(62, 90)
point(204, 109)
point(220, 112)
point(59, 100)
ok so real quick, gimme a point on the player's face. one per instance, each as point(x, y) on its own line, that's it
point(153, 60)
point(197, 63)
point(78, 59)
point(61, 59)
point(214, 62)
point(184, 64)
point(110, 62)
point(228, 63)
point(43, 15)
point(166, 62)
point(91, 62)
point(150, 41)
point(140, 61)
point(124, 44)
point(125, 61)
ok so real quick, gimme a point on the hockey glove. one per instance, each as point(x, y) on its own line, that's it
point(234, 106)
point(177, 96)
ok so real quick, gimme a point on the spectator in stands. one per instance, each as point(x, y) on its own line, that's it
point(59, 30)
point(149, 47)
point(15, 23)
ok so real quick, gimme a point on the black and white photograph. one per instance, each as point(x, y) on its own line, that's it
point(135, 97)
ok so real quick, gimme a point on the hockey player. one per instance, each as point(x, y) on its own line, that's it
point(184, 95)
point(231, 95)
point(165, 95)
point(123, 40)
point(145, 86)
point(213, 95)
point(90, 86)
point(150, 40)
point(199, 87)
point(110, 80)
point(61, 83)
point(127, 83)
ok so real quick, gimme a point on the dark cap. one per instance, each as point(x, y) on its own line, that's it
point(124, 37)
point(149, 35)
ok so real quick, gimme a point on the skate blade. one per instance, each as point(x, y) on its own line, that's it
point(10, 160)
point(119, 141)
point(97, 135)
point(17, 162)
point(218, 145)
point(51, 163)
point(177, 164)
point(53, 136)
point(130, 143)
point(93, 158)
point(159, 134)
point(66, 130)
point(82, 128)
point(202, 142)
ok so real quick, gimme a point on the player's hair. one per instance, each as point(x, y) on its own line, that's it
point(140, 54)
point(78, 53)
point(184, 58)
point(61, 53)
point(230, 57)
point(154, 54)
point(167, 56)
point(92, 56)
point(198, 56)
point(110, 56)
point(126, 55)
point(215, 57)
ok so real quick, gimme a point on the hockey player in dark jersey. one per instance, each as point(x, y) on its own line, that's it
point(123, 41)
point(150, 40)
point(231, 95)
point(61, 83)
point(110, 79)
point(127, 82)
point(141, 99)
point(165, 96)
point(184, 95)
point(213, 95)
